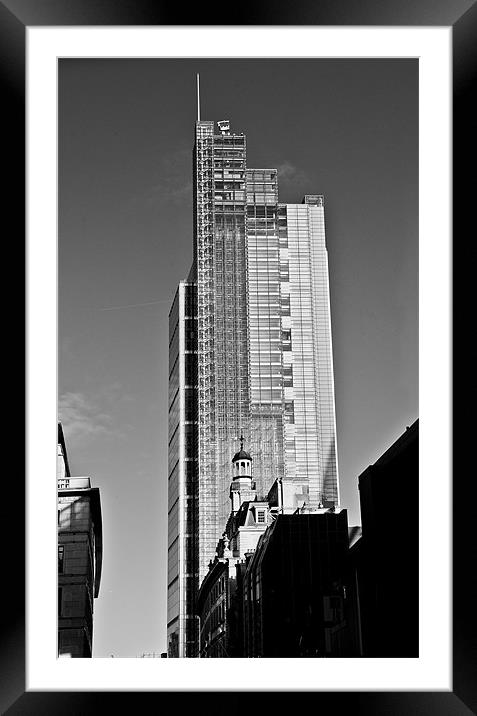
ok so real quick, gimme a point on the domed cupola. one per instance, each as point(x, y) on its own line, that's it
point(242, 462)
point(242, 488)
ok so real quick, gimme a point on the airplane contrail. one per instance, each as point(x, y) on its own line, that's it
point(133, 305)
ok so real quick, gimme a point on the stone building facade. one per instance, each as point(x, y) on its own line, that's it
point(80, 551)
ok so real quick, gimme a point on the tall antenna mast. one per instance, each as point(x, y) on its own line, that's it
point(198, 97)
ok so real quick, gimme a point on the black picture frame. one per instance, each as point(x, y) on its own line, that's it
point(15, 17)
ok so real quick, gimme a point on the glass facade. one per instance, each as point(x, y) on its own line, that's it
point(258, 326)
point(182, 578)
point(223, 385)
point(265, 327)
point(310, 437)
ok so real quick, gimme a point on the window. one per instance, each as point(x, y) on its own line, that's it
point(287, 375)
point(261, 516)
point(61, 555)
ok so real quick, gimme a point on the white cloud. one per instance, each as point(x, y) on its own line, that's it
point(288, 172)
point(83, 417)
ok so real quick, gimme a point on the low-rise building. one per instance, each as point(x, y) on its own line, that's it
point(294, 587)
point(220, 630)
point(289, 580)
point(276, 586)
point(80, 551)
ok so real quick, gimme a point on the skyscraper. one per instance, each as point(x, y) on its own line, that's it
point(261, 339)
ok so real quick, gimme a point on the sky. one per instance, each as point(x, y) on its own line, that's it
point(347, 129)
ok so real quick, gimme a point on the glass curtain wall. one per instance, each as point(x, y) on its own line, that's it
point(182, 488)
point(311, 364)
point(265, 334)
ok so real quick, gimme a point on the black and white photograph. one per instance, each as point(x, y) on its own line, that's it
point(238, 358)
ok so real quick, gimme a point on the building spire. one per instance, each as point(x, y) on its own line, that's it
point(241, 440)
point(198, 97)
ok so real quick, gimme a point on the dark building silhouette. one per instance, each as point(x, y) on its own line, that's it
point(294, 589)
point(80, 550)
point(288, 598)
point(384, 562)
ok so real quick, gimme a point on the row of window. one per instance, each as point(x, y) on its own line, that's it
point(258, 175)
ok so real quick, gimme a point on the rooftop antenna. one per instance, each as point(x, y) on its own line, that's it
point(198, 97)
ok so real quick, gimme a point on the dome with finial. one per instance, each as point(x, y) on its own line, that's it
point(241, 454)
